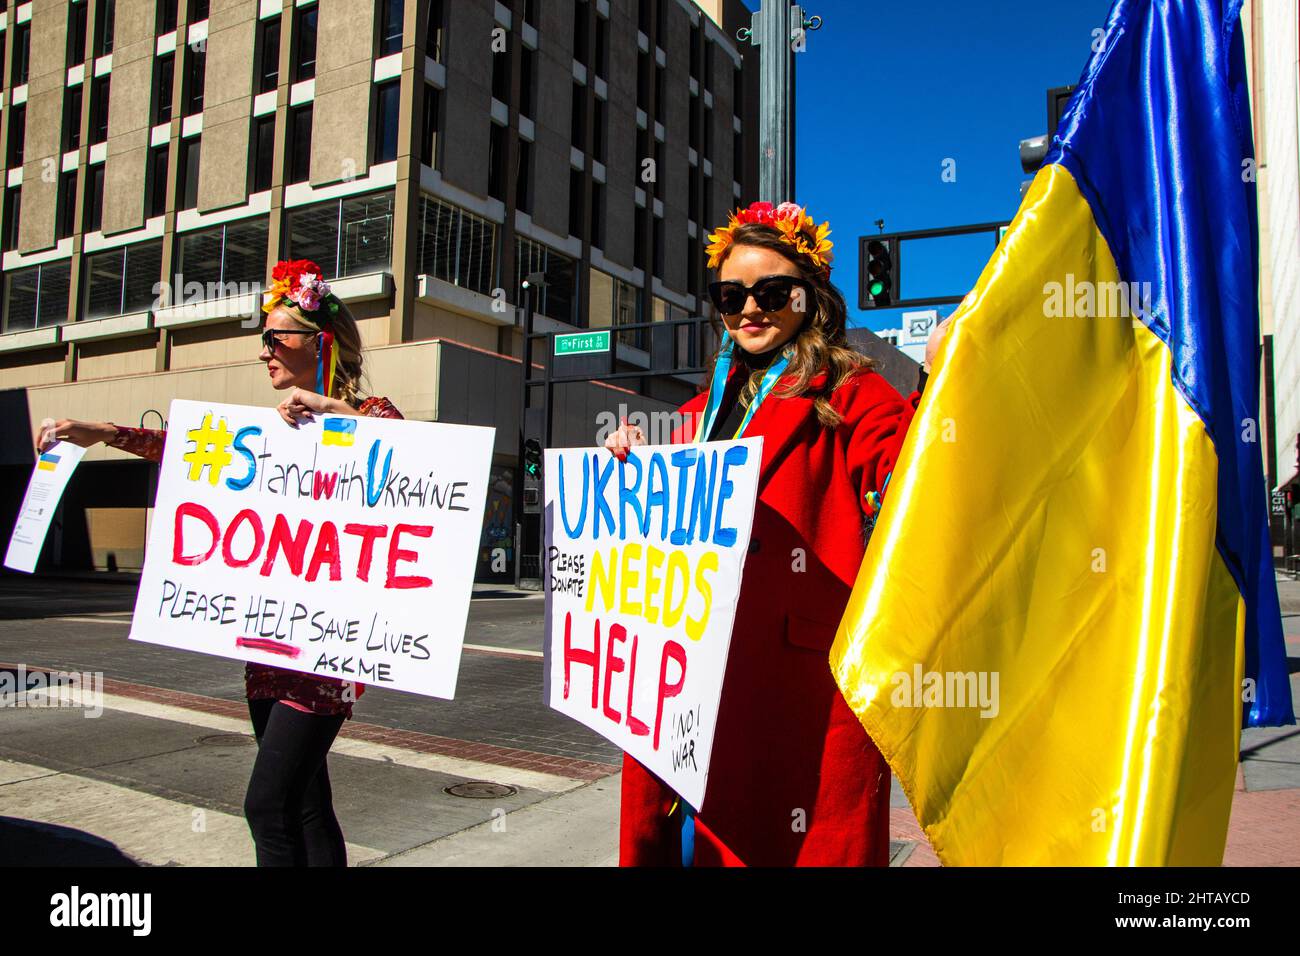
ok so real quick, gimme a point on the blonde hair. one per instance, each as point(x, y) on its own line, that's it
point(349, 378)
point(822, 345)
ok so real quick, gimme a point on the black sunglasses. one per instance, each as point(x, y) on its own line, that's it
point(771, 293)
point(270, 337)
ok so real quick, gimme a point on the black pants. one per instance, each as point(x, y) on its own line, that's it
point(288, 805)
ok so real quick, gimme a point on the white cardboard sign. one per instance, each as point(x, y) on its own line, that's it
point(343, 548)
point(642, 572)
point(53, 469)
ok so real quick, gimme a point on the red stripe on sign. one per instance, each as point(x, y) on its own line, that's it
point(268, 645)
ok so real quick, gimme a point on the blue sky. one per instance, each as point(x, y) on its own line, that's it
point(887, 91)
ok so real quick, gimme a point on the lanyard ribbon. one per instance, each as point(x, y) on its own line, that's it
point(719, 386)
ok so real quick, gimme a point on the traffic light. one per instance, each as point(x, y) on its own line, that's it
point(879, 275)
point(533, 458)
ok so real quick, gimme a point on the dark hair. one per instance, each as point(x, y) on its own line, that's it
point(821, 345)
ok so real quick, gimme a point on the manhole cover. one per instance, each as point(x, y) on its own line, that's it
point(480, 790)
point(227, 740)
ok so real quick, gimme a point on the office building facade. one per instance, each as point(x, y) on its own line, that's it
point(161, 155)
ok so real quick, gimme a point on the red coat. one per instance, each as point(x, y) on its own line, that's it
point(793, 777)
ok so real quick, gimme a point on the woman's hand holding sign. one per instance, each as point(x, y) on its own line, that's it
point(303, 405)
point(624, 438)
point(84, 434)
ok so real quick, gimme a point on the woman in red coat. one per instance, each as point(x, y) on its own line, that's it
point(793, 777)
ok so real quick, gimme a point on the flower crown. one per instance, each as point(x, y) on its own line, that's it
point(790, 220)
point(298, 282)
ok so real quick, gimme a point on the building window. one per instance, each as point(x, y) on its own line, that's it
point(578, 118)
point(224, 261)
point(598, 131)
point(661, 99)
point(123, 280)
point(17, 135)
point(345, 237)
point(196, 65)
point(300, 144)
point(580, 36)
point(456, 246)
point(268, 55)
point(304, 44)
point(706, 201)
point(596, 231)
point(105, 13)
point(433, 34)
point(188, 188)
point(576, 202)
point(524, 178)
point(93, 216)
point(429, 127)
point(528, 68)
point(165, 17)
point(693, 257)
point(22, 53)
point(660, 169)
point(66, 205)
point(164, 69)
point(38, 296)
point(613, 302)
point(497, 162)
point(627, 311)
point(501, 75)
point(388, 98)
point(530, 12)
point(638, 237)
point(198, 11)
point(391, 14)
point(642, 154)
point(99, 109)
point(262, 168)
point(659, 247)
point(602, 48)
point(642, 81)
point(9, 228)
point(77, 14)
point(694, 124)
point(558, 298)
point(155, 186)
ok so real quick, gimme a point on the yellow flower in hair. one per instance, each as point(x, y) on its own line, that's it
point(790, 220)
point(272, 296)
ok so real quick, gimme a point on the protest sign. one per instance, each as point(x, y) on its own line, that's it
point(54, 467)
point(642, 571)
point(344, 547)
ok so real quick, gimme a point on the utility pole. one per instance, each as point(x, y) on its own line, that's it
point(531, 284)
point(779, 30)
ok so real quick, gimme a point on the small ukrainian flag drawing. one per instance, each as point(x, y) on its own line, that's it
point(48, 462)
point(339, 431)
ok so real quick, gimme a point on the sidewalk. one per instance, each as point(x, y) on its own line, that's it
point(158, 779)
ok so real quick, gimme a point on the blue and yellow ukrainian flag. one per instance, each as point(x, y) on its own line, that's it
point(339, 431)
point(48, 462)
point(1079, 508)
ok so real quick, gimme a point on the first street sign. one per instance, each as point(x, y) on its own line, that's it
point(582, 343)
